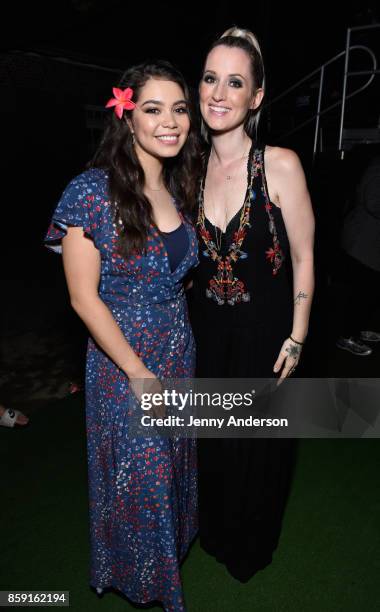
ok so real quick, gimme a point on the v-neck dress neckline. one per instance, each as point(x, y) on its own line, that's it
point(216, 228)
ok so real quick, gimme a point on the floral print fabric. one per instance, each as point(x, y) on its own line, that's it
point(142, 491)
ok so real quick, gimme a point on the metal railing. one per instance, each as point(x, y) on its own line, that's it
point(354, 73)
point(342, 102)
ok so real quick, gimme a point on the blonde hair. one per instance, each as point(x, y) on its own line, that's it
point(244, 39)
point(249, 37)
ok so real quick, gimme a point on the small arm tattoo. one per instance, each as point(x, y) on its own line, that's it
point(301, 295)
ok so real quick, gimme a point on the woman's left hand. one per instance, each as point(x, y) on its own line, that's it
point(288, 359)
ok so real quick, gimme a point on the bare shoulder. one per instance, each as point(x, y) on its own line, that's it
point(286, 179)
point(280, 159)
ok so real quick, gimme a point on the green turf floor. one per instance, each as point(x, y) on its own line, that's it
point(328, 559)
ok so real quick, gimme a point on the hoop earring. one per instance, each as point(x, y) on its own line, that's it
point(133, 138)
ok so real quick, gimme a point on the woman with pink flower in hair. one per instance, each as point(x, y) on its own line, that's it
point(127, 243)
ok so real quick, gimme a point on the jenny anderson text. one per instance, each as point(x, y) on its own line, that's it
point(218, 423)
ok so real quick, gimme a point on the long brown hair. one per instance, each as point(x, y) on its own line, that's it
point(116, 154)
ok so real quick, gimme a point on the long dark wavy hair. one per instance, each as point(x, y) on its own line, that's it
point(116, 154)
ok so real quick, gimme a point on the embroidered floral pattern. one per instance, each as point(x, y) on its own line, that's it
point(224, 287)
point(274, 255)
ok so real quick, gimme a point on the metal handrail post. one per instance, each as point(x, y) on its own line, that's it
point(305, 78)
point(345, 76)
point(321, 78)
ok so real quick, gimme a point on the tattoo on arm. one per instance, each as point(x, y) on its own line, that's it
point(301, 295)
point(293, 350)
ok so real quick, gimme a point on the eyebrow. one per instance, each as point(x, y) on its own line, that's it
point(159, 103)
point(230, 75)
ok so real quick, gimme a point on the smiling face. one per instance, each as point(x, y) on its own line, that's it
point(227, 91)
point(160, 122)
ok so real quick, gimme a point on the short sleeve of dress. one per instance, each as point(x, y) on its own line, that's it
point(78, 207)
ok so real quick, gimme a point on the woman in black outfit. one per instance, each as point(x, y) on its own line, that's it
point(254, 215)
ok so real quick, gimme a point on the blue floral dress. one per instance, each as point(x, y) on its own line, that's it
point(142, 491)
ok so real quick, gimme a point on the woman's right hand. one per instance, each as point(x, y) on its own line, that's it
point(144, 381)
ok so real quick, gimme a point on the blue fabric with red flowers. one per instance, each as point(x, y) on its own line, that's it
point(142, 491)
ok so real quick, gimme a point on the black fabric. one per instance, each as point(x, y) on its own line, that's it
point(243, 488)
point(243, 483)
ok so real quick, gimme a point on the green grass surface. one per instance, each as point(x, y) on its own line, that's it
point(328, 559)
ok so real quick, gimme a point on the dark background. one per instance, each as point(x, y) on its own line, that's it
point(58, 57)
point(295, 36)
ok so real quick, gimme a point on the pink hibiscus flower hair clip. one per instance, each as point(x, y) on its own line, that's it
point(122, 101)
